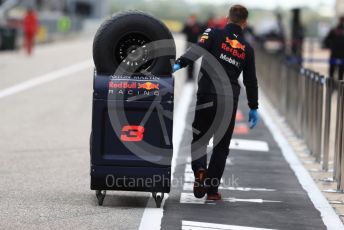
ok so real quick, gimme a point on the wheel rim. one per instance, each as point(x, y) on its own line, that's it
point(131, 50)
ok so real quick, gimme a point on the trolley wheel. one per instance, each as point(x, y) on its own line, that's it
point(158, 198)
point(100, 194)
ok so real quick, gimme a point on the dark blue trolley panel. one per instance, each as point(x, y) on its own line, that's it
point(131, 139)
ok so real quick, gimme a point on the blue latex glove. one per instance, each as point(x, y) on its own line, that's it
point(176, 67)
point(253, 118)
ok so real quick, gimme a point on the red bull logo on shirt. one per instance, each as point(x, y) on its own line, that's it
point(235, 44)
point(236, 48)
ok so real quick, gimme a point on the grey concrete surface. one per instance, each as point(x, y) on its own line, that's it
point(44, 146)
point(45, 162)
point(17, 66)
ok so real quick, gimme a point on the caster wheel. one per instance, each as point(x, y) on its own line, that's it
point(100, 194)
point(158, 199)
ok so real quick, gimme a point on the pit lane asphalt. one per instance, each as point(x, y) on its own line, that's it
point(268, 194)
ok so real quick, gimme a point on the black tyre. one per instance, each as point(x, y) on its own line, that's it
point(123, 39)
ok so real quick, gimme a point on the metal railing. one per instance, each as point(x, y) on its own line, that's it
point(305, 98)
point(339, 139)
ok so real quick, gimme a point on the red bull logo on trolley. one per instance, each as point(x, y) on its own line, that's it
point(122, 85)
point(148, 86)
point(134, 88)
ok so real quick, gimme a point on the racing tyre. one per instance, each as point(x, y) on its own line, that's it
point(128, 40)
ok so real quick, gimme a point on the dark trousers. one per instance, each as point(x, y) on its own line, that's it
point(203, 130)
point(340, 68)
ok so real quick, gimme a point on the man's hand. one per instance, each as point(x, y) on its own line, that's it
point(253, 118)
point(176, 67)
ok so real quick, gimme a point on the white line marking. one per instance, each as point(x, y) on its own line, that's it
point(246, 145)
point(189, 187)
point(189, 198)
point(190, 178)
point(45, 78)
point(329, 217)
point(192, 225)
point(260, 201)
point(228, 161)
point(151, 218)
point(180, 124)
point(188, 168)
point(188, 159)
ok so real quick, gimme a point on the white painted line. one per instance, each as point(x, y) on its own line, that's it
point(259, 201)
point(329, 216)
point(151, 218)
point(46, 78)
point(246, 145)
point(180, 124)
point(188, 168)
point(192, 225)
point(189, 198)
point(228, 161)
point(190, 178)
point(189, 187)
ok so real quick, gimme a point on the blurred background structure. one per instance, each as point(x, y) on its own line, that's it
point(267, 18)
point(56, 18)
point(339, 7)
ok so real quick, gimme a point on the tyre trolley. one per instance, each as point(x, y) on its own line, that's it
point(132, 114)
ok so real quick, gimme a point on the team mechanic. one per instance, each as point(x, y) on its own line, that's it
point(235, 55)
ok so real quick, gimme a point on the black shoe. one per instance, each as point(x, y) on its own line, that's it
point(199, 188)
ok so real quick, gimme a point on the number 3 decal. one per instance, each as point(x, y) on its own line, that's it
point(131, 133)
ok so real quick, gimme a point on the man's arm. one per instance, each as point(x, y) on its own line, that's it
point(191, 54)
point(250, 79)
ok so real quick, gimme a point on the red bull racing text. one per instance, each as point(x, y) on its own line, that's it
point(134, 88)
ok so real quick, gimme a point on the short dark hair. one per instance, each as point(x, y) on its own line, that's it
point(238, 14)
